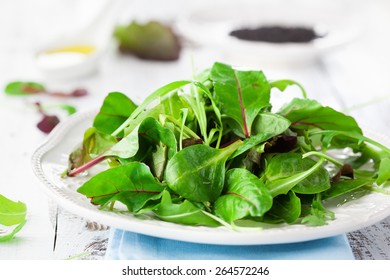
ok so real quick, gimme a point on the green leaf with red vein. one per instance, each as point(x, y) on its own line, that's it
point(132, 184)
point(116, 108)
point(309, 114)
point(241, 95)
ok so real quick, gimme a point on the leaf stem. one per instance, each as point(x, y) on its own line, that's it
point(322, 155)
point(86, 166)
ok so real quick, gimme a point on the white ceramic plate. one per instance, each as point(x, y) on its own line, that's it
point(210, 25)
point(50, 160)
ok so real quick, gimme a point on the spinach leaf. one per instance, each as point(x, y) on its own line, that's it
point(12, 214)
point(285, 208)
point(289, 164)
point(309, 114)
point(240, 95)
point(281, 185)
point(198, 172)
point(265, 126)
point(245, 196)
point(132, 184)
point(116, 108)
point(345, 186)
point(183, 212)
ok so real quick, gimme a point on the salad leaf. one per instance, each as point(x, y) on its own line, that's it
point(384, 171)
point(285, 208)
point(319, 215)
point(345, 186)
point(24, 88)
point(198, 172)
point(266, 126)
point(241, 95)
point(12, 214)
point(245, 196)
point(286, 165)
point(151, 40)
point(183, 212)
point(309, 114)
point(132, 184)
point(116, 108)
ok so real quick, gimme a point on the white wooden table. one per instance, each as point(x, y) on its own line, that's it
point(345, 79)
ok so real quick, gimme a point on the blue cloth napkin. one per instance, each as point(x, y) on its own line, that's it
point(125, 245)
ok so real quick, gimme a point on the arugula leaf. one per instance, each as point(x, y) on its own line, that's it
point(245, 196)
point(198, 172)
point(116, 108)
point(11, 214)
point(241, 95)
point(132, 184)
point(183, 213)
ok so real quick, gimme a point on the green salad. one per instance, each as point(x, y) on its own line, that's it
point(212, 152)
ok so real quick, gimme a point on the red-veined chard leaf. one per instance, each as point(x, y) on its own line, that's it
point(24, 88)
point(132, 184)
point(150, 130)
point(309, 114)
point(245, 196)
point(116, 108)
point(240, 95)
